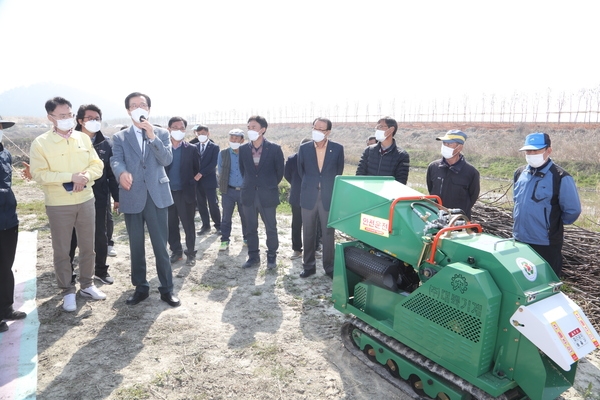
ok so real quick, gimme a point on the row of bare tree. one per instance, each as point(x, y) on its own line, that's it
point(580, 107)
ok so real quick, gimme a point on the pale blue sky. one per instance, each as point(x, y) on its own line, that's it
point(198, 56)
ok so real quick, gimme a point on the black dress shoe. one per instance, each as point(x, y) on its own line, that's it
point(307, 272)
point(170, 299)
point(3, 326)
point(15, 315)
point(136, 298)
point(203, 230)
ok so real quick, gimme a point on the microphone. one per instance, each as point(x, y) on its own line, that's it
point(142, 119)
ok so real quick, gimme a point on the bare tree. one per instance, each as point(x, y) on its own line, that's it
point(548, 97)
point(560, 102)
point(581, 95)
point(536, 105)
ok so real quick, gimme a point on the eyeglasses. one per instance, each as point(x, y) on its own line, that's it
point(92, 119)
point(136, 106)
point(382, 127)
point(62, 116)
point(320, 130)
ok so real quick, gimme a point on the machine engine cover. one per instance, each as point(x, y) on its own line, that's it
point(558, 327)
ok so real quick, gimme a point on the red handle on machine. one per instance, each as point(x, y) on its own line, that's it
point(412, 198)
point(431, 259)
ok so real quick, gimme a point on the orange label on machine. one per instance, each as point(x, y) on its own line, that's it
point(375, 225)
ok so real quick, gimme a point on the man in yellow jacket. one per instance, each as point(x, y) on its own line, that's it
point(65, 163)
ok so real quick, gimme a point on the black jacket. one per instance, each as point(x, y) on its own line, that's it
point(8, 202)
point(457, 184)
point(263, 179)
point(107, 184)
point(393, 162)
point(291, 175)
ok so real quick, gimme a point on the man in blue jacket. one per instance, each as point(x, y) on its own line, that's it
point(545, 199)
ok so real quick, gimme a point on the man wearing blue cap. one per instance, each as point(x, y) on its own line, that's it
point(452, 177)
point(545, 199)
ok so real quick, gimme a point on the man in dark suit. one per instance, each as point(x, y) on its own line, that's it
point(183, 174)
point(291, 175)
point(319, 162)
point(261, 165)
point(140, 155)
point(206, 188)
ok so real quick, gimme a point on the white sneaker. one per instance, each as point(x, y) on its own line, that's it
point(93, 292)
point(111, 251)
point(69, 303)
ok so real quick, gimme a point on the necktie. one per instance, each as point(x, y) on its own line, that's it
point(202, 150)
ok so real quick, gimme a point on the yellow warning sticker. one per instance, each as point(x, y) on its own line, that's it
point(564, 341)
point(586, 329)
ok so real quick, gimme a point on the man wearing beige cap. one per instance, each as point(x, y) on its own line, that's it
point(230, 185)
point(452, 177)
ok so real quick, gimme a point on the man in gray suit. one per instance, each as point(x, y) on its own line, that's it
point(140, 155)
point(319, 162)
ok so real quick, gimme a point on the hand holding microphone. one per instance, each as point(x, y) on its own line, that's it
point(147, 128)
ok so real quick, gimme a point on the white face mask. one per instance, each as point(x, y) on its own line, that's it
point(93, 126)
point(447, 152)
point(253, 135)
point(535, 160)
point(65, 124)
point(177, 135)
point(380, 135)
point(234, 145)
point(137, 113)
point(318, 136)
point(202, 138)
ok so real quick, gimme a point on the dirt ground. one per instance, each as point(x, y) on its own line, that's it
point(239, 334)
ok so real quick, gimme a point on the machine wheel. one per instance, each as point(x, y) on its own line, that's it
point(370, 353)
point(392, 368)
point(355, 337)
point(417, 385)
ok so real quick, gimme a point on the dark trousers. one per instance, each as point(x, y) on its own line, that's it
point(110, 225)
point(156, 221)
point(8, 248)
point(202, 197)
point(269, 219)
point(182, 211)
point(297, 229)
point(228, 201)
point(100, 240)
point(552, 254)
point(310, 220)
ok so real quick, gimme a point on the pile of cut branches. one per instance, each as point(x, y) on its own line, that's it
point(581, 257)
